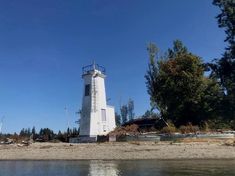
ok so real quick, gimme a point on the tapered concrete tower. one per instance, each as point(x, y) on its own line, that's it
point(97, 118)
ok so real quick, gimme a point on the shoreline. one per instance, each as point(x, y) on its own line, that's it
point(139, 159)
point(118, 151)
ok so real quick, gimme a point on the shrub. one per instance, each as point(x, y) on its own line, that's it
point(205, 126)
point(233, 124)
point(183, 129)
point(219, 124)
point(132, 129)
point(169, 129)
point(188, 128)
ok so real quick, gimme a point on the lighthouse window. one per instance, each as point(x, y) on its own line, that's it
point(103, 114)
point(87, 90)
point(104, 128)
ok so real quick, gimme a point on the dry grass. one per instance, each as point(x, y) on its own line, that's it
point(189, 140)
point(134, 142)
point(189, 128)
point(230, 142)
point(122, 131)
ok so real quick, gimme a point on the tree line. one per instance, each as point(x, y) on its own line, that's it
point(184, 89)
point(43, 135)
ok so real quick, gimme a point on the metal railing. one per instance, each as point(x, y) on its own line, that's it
point(93, 67)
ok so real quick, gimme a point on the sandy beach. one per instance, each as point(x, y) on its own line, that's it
point(116, 151)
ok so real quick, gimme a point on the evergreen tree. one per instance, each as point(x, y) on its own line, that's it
point(178, 88)
point(130, 107)
point(117, 119)
point(33, 131)
point(224, 69)
point(124, 113)
point(46, 134)
point(22, 132)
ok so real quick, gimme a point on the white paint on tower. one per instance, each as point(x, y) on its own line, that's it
point(97, 118)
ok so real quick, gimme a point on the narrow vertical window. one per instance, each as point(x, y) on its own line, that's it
point(103, 114)
point(87, 90)
point(104, 128)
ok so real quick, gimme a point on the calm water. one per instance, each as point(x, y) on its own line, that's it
point(118, 168)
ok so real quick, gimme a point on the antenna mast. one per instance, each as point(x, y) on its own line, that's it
point(1, 124)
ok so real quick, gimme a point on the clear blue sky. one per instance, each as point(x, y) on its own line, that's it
point(45, 43)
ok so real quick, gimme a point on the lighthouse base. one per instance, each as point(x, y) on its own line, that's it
point(83, 139)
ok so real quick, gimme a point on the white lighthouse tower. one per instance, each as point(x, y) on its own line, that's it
point(97, 118)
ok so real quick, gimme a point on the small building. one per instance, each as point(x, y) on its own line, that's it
point(145, 124)
point(97, 118)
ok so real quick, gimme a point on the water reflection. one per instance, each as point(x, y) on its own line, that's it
point(101, 168)
point(118, 168)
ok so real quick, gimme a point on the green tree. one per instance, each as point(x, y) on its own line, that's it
point(150, 114)
point(118, 119)
point(25, 132)
point(61, 137)
point(22, 132)
point(124, 113)
point(28, 132)
point(130, 106)
point(178, 88)
point(33, 131)
point(224, 69)
point(178, 49)
point(152, 74)
point(46, 134)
